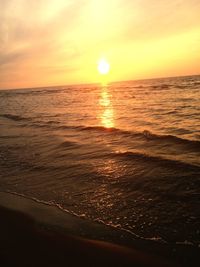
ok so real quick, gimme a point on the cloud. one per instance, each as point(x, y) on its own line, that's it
point(147, 20)
point(31, 34)
point(52, 37)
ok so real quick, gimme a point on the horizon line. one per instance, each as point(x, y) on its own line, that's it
point(97, 83)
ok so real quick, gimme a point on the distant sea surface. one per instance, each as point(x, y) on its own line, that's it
point(125, 154)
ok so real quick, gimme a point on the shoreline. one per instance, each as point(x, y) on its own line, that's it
point(49, 223)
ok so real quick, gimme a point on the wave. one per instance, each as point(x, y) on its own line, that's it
point(9, 136)
point(68, 144)
point(14, 117)
point(171, 138)
point(29, 119)
point(29, 91)
point(161, 87)
point(161, 161)
point(145, 135)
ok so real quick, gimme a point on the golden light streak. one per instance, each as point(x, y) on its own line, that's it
point(107, 111)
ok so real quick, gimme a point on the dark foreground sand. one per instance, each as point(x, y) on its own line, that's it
point(34, 234)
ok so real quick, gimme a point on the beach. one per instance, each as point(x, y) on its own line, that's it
point(36, 234)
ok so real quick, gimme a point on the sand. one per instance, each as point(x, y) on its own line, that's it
point(35, 234)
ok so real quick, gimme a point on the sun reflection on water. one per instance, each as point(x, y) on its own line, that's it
point(107, 111)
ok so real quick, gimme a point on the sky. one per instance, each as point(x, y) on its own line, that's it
point(59, 42)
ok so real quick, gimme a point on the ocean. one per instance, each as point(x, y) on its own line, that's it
point(125, 154)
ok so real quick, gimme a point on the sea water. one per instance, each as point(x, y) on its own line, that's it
point(125, 154)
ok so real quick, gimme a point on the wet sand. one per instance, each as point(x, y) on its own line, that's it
point(35, 234)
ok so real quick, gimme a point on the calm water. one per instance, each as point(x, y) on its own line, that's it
point(126, 154)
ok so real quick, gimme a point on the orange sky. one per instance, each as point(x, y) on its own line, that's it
point(50, 42)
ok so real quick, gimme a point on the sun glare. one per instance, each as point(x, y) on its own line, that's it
point(103, 66)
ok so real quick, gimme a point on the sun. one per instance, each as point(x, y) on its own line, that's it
point(103, 66)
